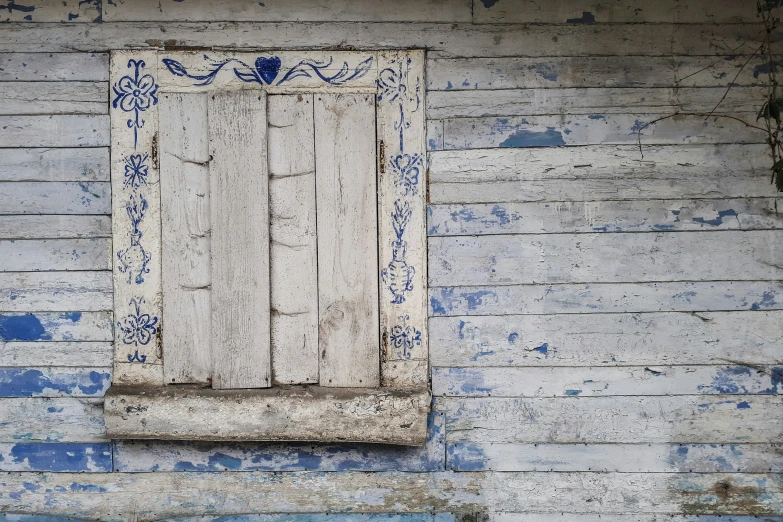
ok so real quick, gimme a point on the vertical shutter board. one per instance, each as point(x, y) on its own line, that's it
point(345, 155)
point(185, 226)
point(294, 270)
point(239, 191)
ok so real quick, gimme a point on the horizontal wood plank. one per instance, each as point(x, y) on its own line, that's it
point(60, 457)
point(159, 456)
point(54, 227)
point(52, 11)
point(64, 419)
point(606, 381)
point(81, 165)
point(563, 517)
point(53, 98)
point(54, 131)
point(536, 101)
point(624, 458)
point(682, 419)
point(54, 382)
point(55, 254)
point(623, 11)
point(607, 340)
point(522, 72)
point(55, 198)
point(56, 326)
point(63, 353)
point(570, 258)
point(53, 67)
point(55, 291)
point(296, 10)
point(171, 494)
point(442, 40)
point(613, 216)
point(598, 298)
point(595, 129)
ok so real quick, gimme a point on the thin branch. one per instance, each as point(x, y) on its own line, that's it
point(731, 84)
point(700, 114)
point(716, 62)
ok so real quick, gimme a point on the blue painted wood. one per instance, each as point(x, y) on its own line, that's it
point(54, 382)
point(144, 456)
point(56, 326)
point(322, 517)
point(56, 457)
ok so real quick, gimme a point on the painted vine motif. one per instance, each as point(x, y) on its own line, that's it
point(267, 70)
point(136, 93)
point(396, 87)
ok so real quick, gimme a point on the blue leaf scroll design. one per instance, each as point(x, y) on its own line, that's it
point(135, 357)
point(135, 260)
point(398, 274)
point(138, 327)
point(136, 170)
point(405, 338)
point(393, 85)
point(135, 94)
point(406, 168)
point(265, 70)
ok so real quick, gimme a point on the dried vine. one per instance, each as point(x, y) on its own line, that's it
point(772, 108)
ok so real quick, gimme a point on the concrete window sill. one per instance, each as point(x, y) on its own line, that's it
point(282, 413)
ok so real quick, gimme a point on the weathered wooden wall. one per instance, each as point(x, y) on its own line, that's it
point(606, 329)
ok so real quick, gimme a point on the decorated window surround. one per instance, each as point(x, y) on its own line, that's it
point(138, 78)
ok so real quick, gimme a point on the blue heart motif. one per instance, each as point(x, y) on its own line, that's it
point(268, 68)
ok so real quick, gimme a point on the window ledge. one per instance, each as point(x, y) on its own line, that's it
point(282, 413)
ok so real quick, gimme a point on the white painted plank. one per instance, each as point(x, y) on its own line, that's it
point(161, 456)
point(607, 298)
point(347, 240)
point(442, 40)
point(623, 11)
point(136, 217)
point(53, 98)
point(64, 353)
point(535, 102)
point(74, 494)
point(614, 339)
point(54, 227)
point(239, 205)
point(615, 162)
point(572, 258)
point(63, 419)
point(291, 10)
point(55, 198)
point(54, 382)
point(52, 11)
point(402, 187)
point(55, 291)
point(562, 517)
point(598, 129)
point(55, 254)
point(624, 458)
point(54, 131)
point(682, 419)
point(293, 249)
point(612, 216)
point(54, 67)
point(521, 72)
point(84, 164)
point(56, 326)
point(605, 381)
point(186, 228)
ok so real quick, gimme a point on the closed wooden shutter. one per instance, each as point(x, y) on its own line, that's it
point(270, 239)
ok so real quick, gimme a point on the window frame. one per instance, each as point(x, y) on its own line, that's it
point(139, 400)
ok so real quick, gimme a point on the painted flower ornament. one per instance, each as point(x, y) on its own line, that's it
point(136, 170)
point(137, 328)
point(135, 94)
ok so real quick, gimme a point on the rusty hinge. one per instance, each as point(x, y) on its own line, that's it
point(155, 151)
point(382, 157)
